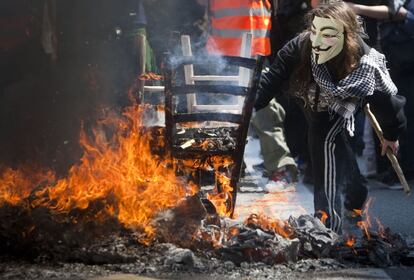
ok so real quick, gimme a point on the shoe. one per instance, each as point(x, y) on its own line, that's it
point(288, 174)
point(279, 187)
point(281, 181)
point(395, 187)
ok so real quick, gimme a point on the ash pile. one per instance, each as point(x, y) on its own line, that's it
point(189, 237)
point(270, 241)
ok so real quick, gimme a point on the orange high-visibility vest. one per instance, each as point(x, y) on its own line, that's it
point(229, 19)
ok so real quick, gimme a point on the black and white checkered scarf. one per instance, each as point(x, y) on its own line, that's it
point(371, 75)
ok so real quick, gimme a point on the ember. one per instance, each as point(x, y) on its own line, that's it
point(213, 139)
point(277, 226)
point(150, 76)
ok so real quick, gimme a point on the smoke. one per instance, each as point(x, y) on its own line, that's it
point(206, 68)
point(153, 116)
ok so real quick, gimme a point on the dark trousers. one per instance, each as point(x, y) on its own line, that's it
point(402, 75)
point(335, 170)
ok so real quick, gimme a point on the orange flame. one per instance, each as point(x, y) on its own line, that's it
point(233, 231)
point(350, 241)
point(220, 164)
point(150, 76)
point(16, 185)
point(357, 212)
point(222, 201)
point(122, 168)
point(205, 145)
point(324, 216)
point(268, 224)
point(365, 224)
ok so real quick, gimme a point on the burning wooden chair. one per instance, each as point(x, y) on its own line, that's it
point(241, 76)
point(213, 136)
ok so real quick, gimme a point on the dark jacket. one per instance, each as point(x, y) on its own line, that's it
point(397, 37)
point(387, 108)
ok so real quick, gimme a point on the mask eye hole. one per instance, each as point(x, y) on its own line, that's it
point(329, 35)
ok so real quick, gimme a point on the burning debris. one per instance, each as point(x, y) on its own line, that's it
point(200, 235)
point(150, 76)
point(122, 197)
point(180, 224)
point(215, 140)
point(380, 249)
point(270, 241)
point(196, 240)
point(317, 241)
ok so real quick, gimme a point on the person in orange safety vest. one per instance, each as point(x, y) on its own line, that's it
point(229, 19)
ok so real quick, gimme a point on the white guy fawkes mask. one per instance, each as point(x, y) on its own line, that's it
point(327, 37)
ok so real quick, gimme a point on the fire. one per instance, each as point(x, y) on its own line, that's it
point(17, 185)
point(276, 205)
point(268, 224)
point(350, 241)
point(205, 145)
point(233, 231)
point(365, 224)
point(118, 168)
point(220, 164)
point(357, 212)
point(324, 216)
point(222, 200)
point(150, 76)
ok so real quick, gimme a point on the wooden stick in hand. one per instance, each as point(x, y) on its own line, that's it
point(391, 156)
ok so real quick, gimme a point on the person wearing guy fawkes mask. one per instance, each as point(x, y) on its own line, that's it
point(334, 73)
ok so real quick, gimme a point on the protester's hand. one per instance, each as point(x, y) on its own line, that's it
point(401, 15)
point(393, 145)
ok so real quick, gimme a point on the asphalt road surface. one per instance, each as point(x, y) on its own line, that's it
point(392, 208)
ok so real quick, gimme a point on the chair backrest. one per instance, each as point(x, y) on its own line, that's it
point(242, 78)
point(176, 87)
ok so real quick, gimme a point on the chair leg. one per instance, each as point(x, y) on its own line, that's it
point(235, 175)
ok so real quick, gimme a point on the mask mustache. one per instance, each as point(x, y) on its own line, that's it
point(319, 49)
